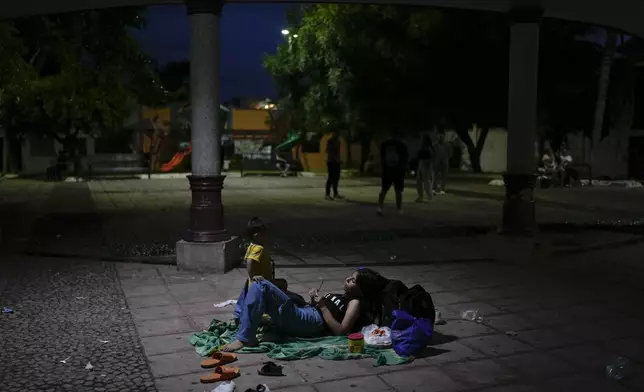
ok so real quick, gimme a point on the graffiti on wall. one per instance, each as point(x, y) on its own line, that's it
point(252, 149)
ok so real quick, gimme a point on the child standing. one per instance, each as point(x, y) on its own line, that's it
point(259, 263)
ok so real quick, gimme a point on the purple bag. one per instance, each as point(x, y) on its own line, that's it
point(409, 334)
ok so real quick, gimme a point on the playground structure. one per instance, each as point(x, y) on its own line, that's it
point(177, 159)
point(292, 140)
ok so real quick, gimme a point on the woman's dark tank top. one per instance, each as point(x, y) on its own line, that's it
point(338, 304)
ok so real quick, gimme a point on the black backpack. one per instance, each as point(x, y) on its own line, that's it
point(415, 301)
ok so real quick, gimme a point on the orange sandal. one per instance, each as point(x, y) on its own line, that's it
point(221, 373)
point(218, 359)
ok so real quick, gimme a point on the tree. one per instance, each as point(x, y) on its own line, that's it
point(14, 75)
point(175, 77)
point(330, 80)
point(566, 88)
point(85, 74)
point(379, 69)
point(603, 83)
point(471, 53)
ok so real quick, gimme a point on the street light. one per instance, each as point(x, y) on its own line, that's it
point(285, 32)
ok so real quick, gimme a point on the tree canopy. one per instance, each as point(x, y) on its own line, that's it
point(72, 74)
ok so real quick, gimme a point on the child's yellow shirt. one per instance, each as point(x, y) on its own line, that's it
point(261, 258)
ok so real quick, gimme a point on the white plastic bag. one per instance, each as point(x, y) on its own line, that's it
point(376, 336)
point(226, 386)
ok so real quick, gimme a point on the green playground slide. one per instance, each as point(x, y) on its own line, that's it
point(291, 141)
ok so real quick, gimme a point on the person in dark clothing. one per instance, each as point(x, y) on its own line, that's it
point(442, 153)
point(425, 170)
point(394, 158)
point(333, 164)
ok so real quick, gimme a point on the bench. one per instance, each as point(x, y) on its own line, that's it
point(110, 164)
point(262, 163)
point(548, 177)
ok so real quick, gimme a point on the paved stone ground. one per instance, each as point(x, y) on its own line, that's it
point(574, 306)
point(64, 308)
point(297, 212)
point(68, 309)
point(627, 200)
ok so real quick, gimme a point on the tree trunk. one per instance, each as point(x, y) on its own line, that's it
point(603, 84)
point(474, 150)
point(475, 159)
point(623, 109)
point(480, 143)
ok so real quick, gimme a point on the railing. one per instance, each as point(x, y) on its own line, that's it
point(118, 164)
point(259, 161)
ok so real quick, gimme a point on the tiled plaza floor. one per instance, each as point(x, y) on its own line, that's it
point(564, 330)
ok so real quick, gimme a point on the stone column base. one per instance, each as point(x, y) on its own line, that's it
point(214, 257)
point(206, 210)
point(518, 207)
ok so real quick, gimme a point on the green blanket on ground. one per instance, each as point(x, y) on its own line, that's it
point(288, 349)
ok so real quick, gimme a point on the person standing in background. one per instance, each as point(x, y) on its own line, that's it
point(394, 158)
point(442, 152)
point(425, 170)
point(333, 165)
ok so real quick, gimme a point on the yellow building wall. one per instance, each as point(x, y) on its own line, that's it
point(316, 162)
point(164, 114)
point(250, 120)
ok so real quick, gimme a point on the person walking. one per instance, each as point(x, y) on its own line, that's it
point(425, 170)
point(442, 152)
point(333, 165)
point(394, 158)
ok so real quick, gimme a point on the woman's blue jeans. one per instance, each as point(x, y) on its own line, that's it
point(263, 297)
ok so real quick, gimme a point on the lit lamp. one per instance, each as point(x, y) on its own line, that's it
point(285, 32)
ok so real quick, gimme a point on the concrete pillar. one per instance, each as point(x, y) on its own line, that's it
point(207, 245)
point(518, 208)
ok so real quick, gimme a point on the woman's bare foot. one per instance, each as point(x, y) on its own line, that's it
point(234, 346)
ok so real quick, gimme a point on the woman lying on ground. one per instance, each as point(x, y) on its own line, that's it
point(338, 314)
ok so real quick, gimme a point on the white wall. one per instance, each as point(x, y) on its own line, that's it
point(36, 159)
point(609, 158)
point(493, 154)
point(35, 162)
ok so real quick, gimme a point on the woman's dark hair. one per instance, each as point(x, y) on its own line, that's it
point(371, 285)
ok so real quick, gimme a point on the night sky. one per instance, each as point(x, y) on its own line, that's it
point(248, 31)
